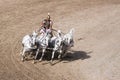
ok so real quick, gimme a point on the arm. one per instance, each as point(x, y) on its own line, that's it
point(51, 23)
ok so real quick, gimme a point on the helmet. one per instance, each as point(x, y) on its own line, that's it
point(48, 17)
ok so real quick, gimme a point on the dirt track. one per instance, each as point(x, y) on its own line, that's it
point(95, 57)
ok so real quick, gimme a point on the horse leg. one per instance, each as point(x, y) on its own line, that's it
point(65, 53)
point(53, 53)
point(36, 53)
point(60, 54)
point(43, 51)
point(23, 55)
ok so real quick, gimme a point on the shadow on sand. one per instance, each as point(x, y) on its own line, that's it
point(75, 55)
point(71, 56)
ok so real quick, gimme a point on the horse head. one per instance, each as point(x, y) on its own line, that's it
point(71, 32)
point(68, 38)
point(34, 36)
point(59, 39)
point(43, 38)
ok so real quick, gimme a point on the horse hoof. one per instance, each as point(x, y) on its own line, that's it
point(60, 59)
point(51, 63)
point(22, 60)
point(40, 60)
point(34, 62)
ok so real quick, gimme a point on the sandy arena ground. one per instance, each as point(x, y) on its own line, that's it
point(96, 53)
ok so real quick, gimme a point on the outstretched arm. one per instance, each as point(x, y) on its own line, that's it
point(51, 23)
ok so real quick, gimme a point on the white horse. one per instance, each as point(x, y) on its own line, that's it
point(42, 42)
point(68, 41)
point(28, 43)
point(56, 42)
